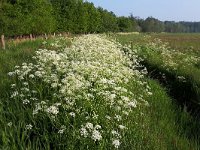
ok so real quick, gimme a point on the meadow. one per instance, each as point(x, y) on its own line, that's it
point(95, 92)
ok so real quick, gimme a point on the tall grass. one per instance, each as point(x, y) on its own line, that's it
point(178, 72)
point(10, 57)
point(181, 65)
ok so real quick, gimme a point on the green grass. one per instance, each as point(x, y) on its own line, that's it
point(161, 126)
point(179, 62)
point(15, 55)
point(167, 123)
point(168, 64)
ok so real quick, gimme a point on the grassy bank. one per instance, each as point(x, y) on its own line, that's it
point(15, 55)
point(176, 68)
point(116, 107)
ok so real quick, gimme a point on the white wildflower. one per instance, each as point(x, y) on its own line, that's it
point(28, 127)
point(13, 85)
point(115, 133)
point(116, 143)
point(84, 132)
point(112, 96)
point(53, 110)
point(96, 135)
point(89, 126)
point(54, 85)
point(11, 73)
point(118, 117)
point(132, 104)
point(31, 76)
point(97, 127)
point(9, 124)
point(149, 93)
point(14, 94)
point(122, 127)
point(72, 114)
point(108, 117)
point(25, 83)
point(61, 131)
point(26, 101)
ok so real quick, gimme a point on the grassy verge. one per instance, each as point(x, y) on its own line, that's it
point(179, 70)
point(15, 55)
point(155, 123)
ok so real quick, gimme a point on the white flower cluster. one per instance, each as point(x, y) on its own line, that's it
point(172, 59)
point(92, 131)
point(87, 81)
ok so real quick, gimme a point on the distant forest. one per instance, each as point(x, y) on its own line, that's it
point(21, 17)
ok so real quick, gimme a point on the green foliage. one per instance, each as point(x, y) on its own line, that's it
point(108, 21)
point(152, 25)
point(19, 17)
point(124, 24)
point(25, 17)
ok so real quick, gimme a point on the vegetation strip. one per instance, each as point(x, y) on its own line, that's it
point(84, 85)
point(177, 69)
point(38, 17)
point(114, 108)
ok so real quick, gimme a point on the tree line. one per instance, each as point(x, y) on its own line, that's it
point(23, 17)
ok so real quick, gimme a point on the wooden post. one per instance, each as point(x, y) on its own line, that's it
point(3, 42)
point(31, 37)
point(45, 35)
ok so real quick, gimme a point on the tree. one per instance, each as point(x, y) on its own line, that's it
point(135, 25)
point(93, 18)
point(108, 21)
point(152, 25)
point(24, 17)
point(125, 24)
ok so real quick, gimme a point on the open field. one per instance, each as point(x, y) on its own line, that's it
point(181, 41)
point(91, 92)
point(178, 41)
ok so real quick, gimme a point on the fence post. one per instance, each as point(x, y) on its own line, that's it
point(31, 37)
point(45, 36)
point(3, 42)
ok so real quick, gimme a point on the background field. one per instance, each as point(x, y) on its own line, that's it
point(178, 41)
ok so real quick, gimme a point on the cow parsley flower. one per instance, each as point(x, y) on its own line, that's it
point(122, 127)
point(83, 132)
point(89, 126)
point(116, 143)
point(28, 127)
point(53, 110)
point(9, 124)
point(96, 135)
point(72, 114)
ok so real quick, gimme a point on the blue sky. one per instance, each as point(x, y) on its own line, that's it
point(173, 10)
